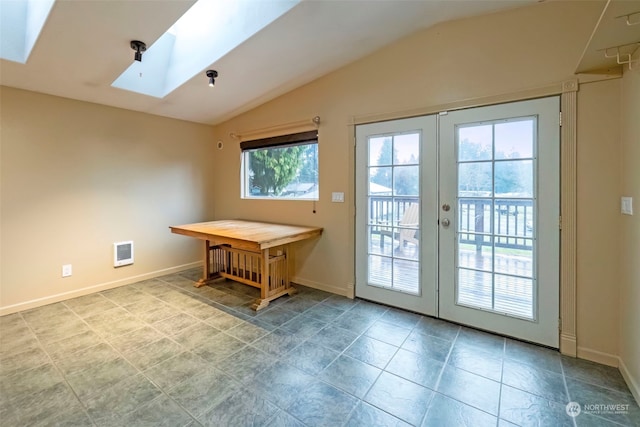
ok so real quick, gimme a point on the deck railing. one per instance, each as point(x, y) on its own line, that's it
point(512, 219)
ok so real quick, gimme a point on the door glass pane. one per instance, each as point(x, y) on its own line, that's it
point(514, 217)
point(394, 212)
point(373, 243)
point(475, 179)
point(406, 181)
point(380, 271)
point(380, 181)
point(513, 295)
point(475, 288)
point(495, 248)
point(474, 215)
point(514, 178)
point(406, 149)
point(380, 151)
point(514, 139)
point(518, 262)
point(475, 252)
point(475, 142)
point(406, 275)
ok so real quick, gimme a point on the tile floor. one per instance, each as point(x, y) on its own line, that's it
point(163, 353)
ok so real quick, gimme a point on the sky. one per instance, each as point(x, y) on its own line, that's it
point(511, 136)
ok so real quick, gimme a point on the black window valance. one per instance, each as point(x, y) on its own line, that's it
point(301, 138)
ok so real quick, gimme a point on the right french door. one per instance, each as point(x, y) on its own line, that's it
point(457, 216)
point(499, 197)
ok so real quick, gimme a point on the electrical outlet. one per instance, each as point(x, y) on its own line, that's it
point(67, 270)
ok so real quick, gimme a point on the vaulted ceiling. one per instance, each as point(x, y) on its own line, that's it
point(85, 45)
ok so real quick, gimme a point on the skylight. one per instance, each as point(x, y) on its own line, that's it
point(21, 22)
point(205, 33)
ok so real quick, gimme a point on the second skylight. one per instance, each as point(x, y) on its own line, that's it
point(205, 33)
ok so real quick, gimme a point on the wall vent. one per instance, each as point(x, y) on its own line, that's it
point(122, 253)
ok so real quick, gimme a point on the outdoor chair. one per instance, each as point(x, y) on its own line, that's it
point(406, 230)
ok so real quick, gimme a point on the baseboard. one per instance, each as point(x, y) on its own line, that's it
point(568, 345)
point(598, 357)
point(95, 288)
point(631, 382)
point(345, 292)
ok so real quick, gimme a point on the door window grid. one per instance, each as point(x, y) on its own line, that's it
point(393, 215)
point(495, 235)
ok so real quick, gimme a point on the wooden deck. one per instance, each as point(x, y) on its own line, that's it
point(509, 290)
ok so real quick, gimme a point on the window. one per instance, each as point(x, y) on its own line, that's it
point(281, 167)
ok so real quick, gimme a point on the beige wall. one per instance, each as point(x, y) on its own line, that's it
point(495, 54)
point(630, 230)
point(478, 57)
point(77, 177)
point(598, 210)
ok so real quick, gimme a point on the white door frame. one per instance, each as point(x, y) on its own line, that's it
point(568, 182)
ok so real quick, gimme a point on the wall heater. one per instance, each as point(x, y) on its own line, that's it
point(122, 253)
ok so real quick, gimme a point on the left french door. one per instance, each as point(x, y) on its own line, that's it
point(396, 213)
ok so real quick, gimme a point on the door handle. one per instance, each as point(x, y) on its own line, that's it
point(446, 222)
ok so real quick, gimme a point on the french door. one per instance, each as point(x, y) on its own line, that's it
point(459, 213)
point(397, 213)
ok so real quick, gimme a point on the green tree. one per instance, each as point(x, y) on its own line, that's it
point(508, 177)
point(387, 157)
point(406, 181)
point(309, 164)
point(514, 177)
point(474, 177)
point(273, 169)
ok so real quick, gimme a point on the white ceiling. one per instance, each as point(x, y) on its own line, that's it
point(84, 47)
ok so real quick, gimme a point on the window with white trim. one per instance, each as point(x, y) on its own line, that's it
point(281, 167)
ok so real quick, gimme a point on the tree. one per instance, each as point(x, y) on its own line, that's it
point(508, 176)
point(386, 157)
point(405, 181)
point(309, 164)
point(274, 168)
point(474, 177)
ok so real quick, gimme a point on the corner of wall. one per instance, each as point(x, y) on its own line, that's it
point(634, 386)
point(629, 349)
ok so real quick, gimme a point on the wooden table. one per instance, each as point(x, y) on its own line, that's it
point(253, 253)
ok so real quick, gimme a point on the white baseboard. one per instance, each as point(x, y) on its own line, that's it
point(568, 345)
point(598, 356)
point(95, 288)
point(345, 292)
point(616, 362)
point(633, 384)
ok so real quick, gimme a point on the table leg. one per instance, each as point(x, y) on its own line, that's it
point(263, 301)
point(206, 265)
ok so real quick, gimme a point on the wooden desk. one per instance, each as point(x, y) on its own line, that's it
point(253, 253)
